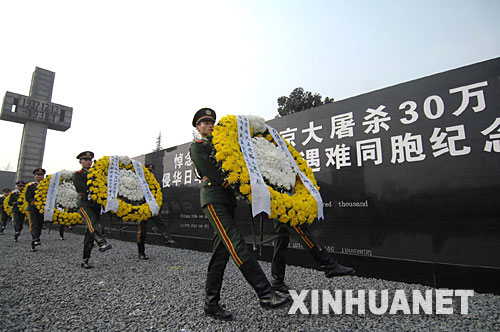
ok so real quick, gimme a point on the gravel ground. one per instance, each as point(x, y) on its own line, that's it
point(47, 290)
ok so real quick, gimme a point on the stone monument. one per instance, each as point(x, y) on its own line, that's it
point(38, 114)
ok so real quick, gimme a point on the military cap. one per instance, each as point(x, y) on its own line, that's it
point(206, 114)
point(20, 183)
point(6, 190)
point(38, 171)
point(85, 154)
point(150, 166)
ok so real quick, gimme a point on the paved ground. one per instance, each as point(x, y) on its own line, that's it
point(48, 291)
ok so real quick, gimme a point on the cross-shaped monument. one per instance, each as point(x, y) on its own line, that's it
point(38, 114)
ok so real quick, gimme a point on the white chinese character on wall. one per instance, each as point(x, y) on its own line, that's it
point(376, 119)
point(312, 159)
point(188, 176)
point(187, 160)
point(342, 126)
point(443, 143)
point(166, 180)
point(312, 135)
point(289, 135)
point(177, 178)
point(467, 95)
point(369, 149)
point(178, 160)
point(408, 148)
point(493, 141)
point(340, 156)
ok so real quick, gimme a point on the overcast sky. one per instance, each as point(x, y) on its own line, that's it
point(133, 69)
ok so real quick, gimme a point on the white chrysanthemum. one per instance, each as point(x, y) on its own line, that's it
point(274, 164)
point(66, 195)
point(258, 124)
point(66, 174)
point(129, 186)
point(125, 160)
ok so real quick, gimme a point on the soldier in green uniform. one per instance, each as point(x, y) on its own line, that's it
point(35, 217)
point(17, 214)
point(327, 262)
point(218, 202)
point(143, 226)
point(89, 210)
point(4, 218)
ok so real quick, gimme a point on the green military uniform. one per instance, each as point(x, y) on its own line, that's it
point(17, 214)
point(90, 212)
point(218, 202)
point(35, 217)
point(4, 218)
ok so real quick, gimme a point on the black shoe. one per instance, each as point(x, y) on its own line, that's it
point(33, 248)
point(61, 238)
point(104, 247)
point(36, 242)
point(143, 256)
point(85, 264)
point(15, 239)
point(169, 241)
point(279, 286)
point(268, 298)
point(338, 270)
point(214, 310)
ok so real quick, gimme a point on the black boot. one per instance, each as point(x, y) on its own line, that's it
point(16, 236)
point(212, 297)
point(33, 246)
point(257, 279)
point(142, 251)
point(85, 264)
point(329, 264)
point(101, 241)
point(278, 277)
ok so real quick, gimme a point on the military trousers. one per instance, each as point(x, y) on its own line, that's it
point(36, 223)
point(306, 238)
point(142, 231)
point(18, 220)
point(227, 240)
point(3, 219)
point(91, 217)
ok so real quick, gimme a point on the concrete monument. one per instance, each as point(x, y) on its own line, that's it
point(38, 114)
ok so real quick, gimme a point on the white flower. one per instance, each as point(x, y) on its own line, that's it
point(258, 124)
point(66, 195)
point(125, 160)
point(274, 164)
point(66, 174)
point(129, 186)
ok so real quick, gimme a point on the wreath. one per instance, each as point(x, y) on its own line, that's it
point(66, 208)
point(131, 202)
point(6, 207)
point(291, 202)
point(22, 203)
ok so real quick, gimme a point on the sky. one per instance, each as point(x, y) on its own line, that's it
point(132, 70)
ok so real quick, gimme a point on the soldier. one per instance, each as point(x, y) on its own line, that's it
point(3, 215)
point(218, 202)
point(159, 224)
point(89, 210)
point(18, 215)
point(35, 217)
point(326, 260)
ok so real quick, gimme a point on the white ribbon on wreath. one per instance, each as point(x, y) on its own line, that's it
point(48, 211)
point(261, 197)
point(113, 181)
point(150, 199)
point(305, 180)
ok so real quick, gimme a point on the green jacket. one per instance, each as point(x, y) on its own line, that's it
point(13, 200)
point(30, 196)
point(216, 189)
point(80, 182)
